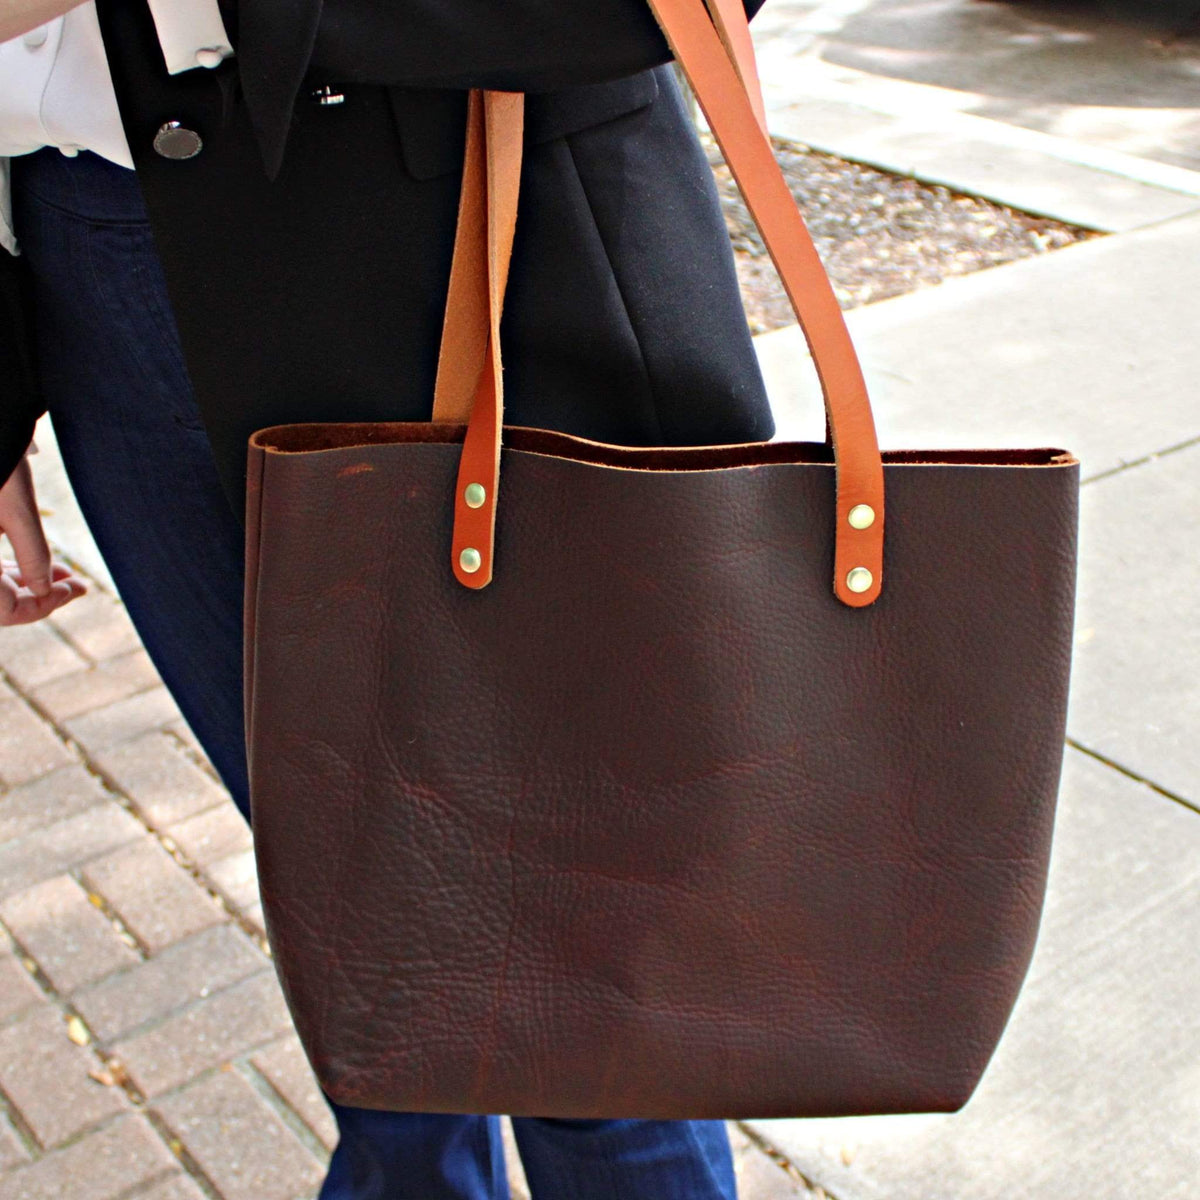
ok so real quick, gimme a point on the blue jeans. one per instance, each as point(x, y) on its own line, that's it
point(138, 459)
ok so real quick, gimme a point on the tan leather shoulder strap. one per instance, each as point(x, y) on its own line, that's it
point(465, 328)
point(722, 95)
point(729, 20)
point(726, 94)
point(495, 136)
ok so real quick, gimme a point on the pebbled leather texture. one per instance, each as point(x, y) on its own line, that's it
point(652, 826)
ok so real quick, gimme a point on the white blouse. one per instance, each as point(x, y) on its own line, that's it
point(56, 89)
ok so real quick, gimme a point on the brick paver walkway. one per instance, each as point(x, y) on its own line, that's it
point(145, 1048)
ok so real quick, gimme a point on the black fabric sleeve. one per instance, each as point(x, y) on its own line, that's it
point(522, 45)
point(21, 402)
point(511, 45)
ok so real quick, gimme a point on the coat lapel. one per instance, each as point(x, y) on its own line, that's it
point(274, 43)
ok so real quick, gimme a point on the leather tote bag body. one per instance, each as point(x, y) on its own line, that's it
point(661, 782)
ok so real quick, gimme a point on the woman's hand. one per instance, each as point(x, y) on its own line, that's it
point(34, 585)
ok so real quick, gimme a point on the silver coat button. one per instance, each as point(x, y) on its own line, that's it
point(174, 141)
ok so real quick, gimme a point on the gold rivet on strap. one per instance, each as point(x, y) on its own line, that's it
point(474, 494)
point(859, 580)
point(861, 516)
point(470, 559)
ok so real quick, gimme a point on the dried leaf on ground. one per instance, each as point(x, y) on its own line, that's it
point(112, 1074)
point(77, 1031)
point(879, 235)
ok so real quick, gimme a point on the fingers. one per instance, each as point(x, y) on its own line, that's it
point(58, 569)
point(19, 605)
point(20, 519)
point(34, 584)
point(29, 543)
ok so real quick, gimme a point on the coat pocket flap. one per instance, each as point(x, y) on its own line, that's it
point(431, 122)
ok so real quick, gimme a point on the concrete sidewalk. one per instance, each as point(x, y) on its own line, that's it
point(1090, 114)
point(1095, 1090)
point(1085, 112)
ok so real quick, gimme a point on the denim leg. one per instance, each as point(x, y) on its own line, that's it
point(626, 1159)
point(139, 461)
point(133, 445)
point(416, 1156)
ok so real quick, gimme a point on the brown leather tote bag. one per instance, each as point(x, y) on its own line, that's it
point(579, 791)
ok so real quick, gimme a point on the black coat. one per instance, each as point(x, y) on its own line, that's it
point(307, 246)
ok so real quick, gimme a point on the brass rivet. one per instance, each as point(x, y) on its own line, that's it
point(470, 559)
point(474, 494)
point(859, 580)
point(861, 516)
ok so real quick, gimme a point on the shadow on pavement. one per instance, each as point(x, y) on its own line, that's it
point(1124, 53)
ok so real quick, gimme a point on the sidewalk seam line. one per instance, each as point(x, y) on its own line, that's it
point(1153, 456)
point(781, 1160)
point(279, 1104)
point(190, 1166)
point(1191, 805)
point(182, 1009)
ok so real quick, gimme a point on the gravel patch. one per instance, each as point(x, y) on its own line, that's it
point(879, 235)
